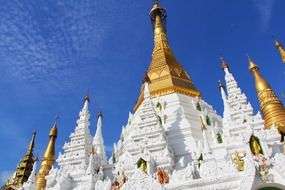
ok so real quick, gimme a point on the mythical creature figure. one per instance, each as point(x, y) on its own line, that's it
point(162, 176)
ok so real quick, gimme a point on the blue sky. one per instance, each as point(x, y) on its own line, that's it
point(52, 52)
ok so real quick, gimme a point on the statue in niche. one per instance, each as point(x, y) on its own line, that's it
point(142, 165)
point(255, 145)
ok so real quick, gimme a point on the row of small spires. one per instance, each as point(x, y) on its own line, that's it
point(225, 65)
point(271, 107)
point(48, 155)
point(278, 45)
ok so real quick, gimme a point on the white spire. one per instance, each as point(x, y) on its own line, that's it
point(235, 97)
point(146, 91)
point(86, 103)
point(98, 142)
point(77, 150)
point(90, 169)
point(225, 100)
point(98, 135)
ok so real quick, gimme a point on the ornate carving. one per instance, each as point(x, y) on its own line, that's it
point(143, 181)
point(238, 160)
point(263, 165)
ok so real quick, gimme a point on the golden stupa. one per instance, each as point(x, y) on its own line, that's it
point(48, 158)
point(165, 73)
point(24, 169)
point(271, 107)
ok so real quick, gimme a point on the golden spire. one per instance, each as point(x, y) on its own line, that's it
point(280, 48)
point(165, 73)
point(32, 143)
point(271, 107)
point(48, 159)
point(260, 83)
point(25, 167)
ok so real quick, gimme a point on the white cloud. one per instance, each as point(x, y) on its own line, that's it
point(264, 8)
point(43, 42)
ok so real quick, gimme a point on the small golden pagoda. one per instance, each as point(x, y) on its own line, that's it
point(271, 107)
point(48, 158)
point(165, 73)
point(281, 50)
point(24, 169)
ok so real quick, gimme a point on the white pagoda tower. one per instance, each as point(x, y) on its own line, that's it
point(144, 141)
point(174, 140)
point(98, 142)
point(75, 158)
point(205, 151)
point(81, 164)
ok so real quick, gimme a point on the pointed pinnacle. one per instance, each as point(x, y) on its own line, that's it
point(56, 118)
point(220, 84)
point(251, 63)
point(156, 2)
point(224, 64)
point(100, 114)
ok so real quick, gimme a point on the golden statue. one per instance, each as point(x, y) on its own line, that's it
point(143, 167)
point(238, 160)
point(254, 145)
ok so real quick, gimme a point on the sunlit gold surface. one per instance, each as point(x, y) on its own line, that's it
point(280, 49)
point(238, 160)
point(271, 107)
point(254, 146)
point(24, 169)
point(165, 73)
point(48, 159)
point(143, 167)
